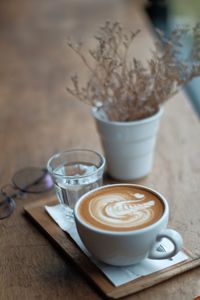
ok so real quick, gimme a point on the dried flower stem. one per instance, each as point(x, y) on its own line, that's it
point(121, 86)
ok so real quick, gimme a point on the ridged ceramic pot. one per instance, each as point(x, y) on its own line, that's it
point(128, 146)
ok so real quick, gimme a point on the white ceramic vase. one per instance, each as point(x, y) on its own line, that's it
point(128, 146)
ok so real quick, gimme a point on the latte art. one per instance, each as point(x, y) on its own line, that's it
point(121, 208)
point(116, 211)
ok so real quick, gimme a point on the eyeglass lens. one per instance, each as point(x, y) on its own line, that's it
point(28, 180)
point(7, 206)
point(32, 180)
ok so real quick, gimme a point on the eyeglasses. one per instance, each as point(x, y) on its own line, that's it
point(28, 180)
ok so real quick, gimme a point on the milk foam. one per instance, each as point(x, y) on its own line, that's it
point(119, 210)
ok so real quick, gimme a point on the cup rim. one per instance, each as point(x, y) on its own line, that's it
point(101, 167)
point(151, 118)
point(122, 233)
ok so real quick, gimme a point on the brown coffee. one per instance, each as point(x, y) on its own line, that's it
point(121, 208)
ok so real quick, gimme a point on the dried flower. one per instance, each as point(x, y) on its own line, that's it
point(122, 86)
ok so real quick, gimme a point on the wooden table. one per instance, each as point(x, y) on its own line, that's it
point(39, 118)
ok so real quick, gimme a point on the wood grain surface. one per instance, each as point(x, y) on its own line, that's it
point(39, 118)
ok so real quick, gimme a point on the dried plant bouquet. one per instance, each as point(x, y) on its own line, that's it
point(123, 87)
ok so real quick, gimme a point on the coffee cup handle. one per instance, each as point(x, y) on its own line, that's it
point(158, 252)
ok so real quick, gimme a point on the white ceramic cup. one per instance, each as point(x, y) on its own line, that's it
point(130, 247)
point(128, 146)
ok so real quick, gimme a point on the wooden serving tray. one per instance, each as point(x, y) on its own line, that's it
point(68, 247)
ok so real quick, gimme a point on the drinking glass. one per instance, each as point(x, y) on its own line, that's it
point(75, 172)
